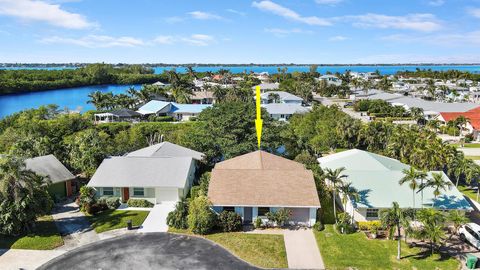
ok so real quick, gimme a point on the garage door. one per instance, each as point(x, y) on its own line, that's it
point(300, 216)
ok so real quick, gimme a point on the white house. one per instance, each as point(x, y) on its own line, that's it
point(259, 182)
point(283, 111)
point(283, 97)
point(159, 173)
point(331, 80)
point(181, 112)
point(376, 179)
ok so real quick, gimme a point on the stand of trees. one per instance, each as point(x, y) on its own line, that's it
point(16, 81)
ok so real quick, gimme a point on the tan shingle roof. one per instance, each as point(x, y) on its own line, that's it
point(262, 179)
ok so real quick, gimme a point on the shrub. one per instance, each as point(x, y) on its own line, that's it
point(258, 223)
point(201, 219)
point(204, 182)
point(279, 218)
point(344, 225)
point(87, 197)
point(230, 221)
point(369, 225)
point(154, 118)
point(318, 226)
point(178, 217)
point(195, 192)
point(96, 208)
point(139, 203)
point(110, 202)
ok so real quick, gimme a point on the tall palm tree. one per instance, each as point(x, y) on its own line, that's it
point(349, 193)
point(461, 122)
point(438, 184)
point(393, 218)
point(411, 176)
point(336, 180)
point(98, 99)
point(457, 218)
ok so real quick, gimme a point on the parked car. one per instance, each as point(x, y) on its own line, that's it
point(470, 233)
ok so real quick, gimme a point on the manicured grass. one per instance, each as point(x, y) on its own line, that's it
point(116, 219)
point(358, 252)
point(473, 157)
point(45, 237)
point(469, 192)
point(263, 250)
point(468, 145)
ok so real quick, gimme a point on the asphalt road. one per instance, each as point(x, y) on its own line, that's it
point(143, 251)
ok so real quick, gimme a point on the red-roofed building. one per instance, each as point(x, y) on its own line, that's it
point(473, 120)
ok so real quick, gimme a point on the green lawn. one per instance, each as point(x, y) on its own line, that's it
point(45, 237)
point(263, 250)
point(467, 191)
point(473, 157)
point(116, 219)
point(358, 252)
point(468, 145)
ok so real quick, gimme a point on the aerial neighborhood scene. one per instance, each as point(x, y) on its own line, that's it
point(268, 134)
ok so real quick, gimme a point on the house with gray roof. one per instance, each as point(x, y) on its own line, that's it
point(377, 179)
point(158, 173)
point(61, 179)
point(280, 97)
point(180, 112)
point(283, 111)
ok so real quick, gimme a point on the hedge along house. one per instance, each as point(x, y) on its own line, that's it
point(377, 180)
point(159, 173)
point(62, 180)
point(259, 182)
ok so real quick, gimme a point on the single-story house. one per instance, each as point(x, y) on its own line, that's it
point(62, 180)
point(159, 173)
point(473, 120)
point(202, 97)
point(259, 182)
point(121, 115)
point(283, 111)
point(331, 80)
point(181, 112)
point(267, 86)
point(377, 177)
point(283, 97)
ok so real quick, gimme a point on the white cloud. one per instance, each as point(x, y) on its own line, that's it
point(29, 10)
point(164, 40)
point(436, 3)
point(337, 38)
point(287, 13)
point(194, 39)
point(201, 15)
point(418, 22)
point(236, 12)
point(475, 12)
point(328, 2)
point(95, 41)
point(285, 32)
point(444, 39)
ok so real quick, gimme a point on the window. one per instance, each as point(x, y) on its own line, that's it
point(262, 211)
point(108, 191)
point(372, 213)
point(229, 209)
point(138, 191)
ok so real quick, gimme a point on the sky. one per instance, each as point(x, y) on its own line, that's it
point(240, 31)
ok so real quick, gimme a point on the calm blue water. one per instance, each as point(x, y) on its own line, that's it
point(76, 98)
point(71, 98)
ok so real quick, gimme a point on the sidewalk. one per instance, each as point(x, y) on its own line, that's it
point(14, 259)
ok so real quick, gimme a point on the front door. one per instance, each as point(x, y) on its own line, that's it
point(247, 214)
point(125, 194)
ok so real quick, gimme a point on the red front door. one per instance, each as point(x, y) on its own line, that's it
point(125, 194)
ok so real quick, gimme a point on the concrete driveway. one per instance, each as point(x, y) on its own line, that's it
point(149, 251)
point(14, 259)
point(156, 221)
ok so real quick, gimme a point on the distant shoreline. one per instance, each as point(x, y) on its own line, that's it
point(73, 65)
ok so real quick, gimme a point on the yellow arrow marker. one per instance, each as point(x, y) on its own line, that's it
point(258, 121)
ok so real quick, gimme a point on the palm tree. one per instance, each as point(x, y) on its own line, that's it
point(182, 94)
point(411, 177)
point(434, 125)
point(457, 218)
point(336, 179)
point(97, 98)
point(366, 85)
point(461, 122)
point(438, 184)
point(349, 193)
point(393, 218)
point(432, 225)
point(219, 93)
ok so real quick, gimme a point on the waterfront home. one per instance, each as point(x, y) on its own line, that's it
point(202, 97)
point(62, 181)
point(181, 112)
point(283, 111)
point(121, 115)
point(331, 80)
point(159, 173)
point(377, 179)
point(280, 97)
point(259, 182)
